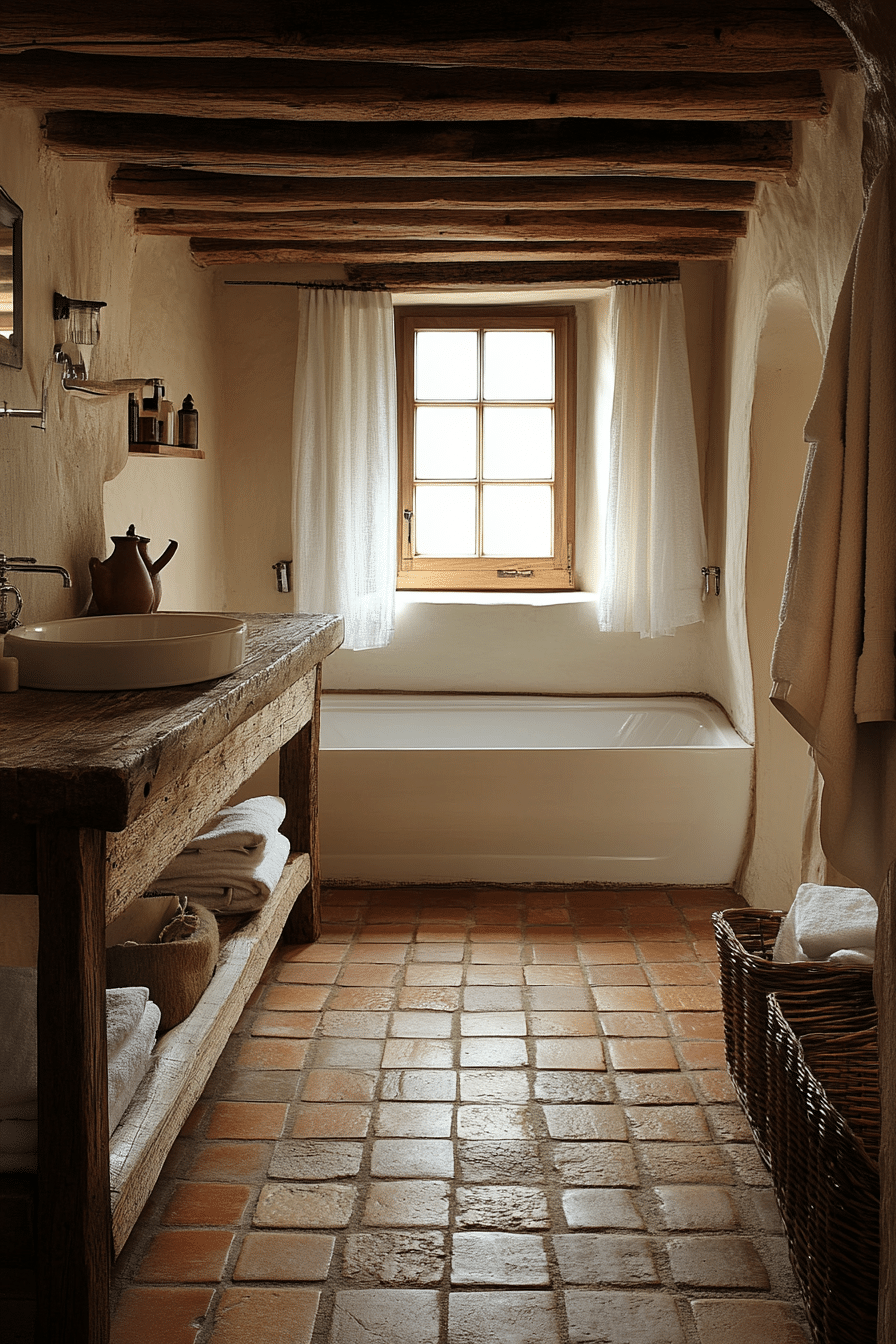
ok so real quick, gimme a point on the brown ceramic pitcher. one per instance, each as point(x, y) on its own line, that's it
point(127, 581)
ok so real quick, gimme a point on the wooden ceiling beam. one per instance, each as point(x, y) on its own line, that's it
point(233, 251)
point(173, 188)
point(344, 91)
point(448, 225)
point(759, 150)
point(741, 35)
point(510, 276)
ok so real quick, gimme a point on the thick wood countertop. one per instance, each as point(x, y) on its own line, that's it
point(91, 759)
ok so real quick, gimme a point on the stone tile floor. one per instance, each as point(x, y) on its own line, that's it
point(470, 1112)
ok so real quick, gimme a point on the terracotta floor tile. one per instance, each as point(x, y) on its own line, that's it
point(496, 933)
point(656, 950)
point(205, 1204)
point(581, 1053)
point(761, 1209)
point(605, 1258)
point(392, 954)
point(419, 1085)
point(494, 975)
point(624, 999)
point(357, 999)
point(418, 1054)
point(616, 932)
point(553, 954)
point(702, 1054)
point(516, 1317)
point(407, 1204)
point(354, 1025)
point(572, 1086)
point(594, 1164)
point(231, 1162)
point(493, 1024)
point(258, 1085)
point(653, 914)
point(295, 1256)
point(689, 998)
point(716, 1262)
point(634, 1024)
point(412, 1159)
point(508, 1259)
point(284, 1205)
point(197, 1116)
point(407, 1258)
point(285, 1024)
point(495, 954)
point(315, 952)
point(307, 973)
point(561, 998)
point(706, 950)
point(194, 1256)
point(680, 973)
point(246, 1120)
point(697, 1026)
point(692, 1208)
point(608, 954)
point(490, 1052)
point(547, 912)
point(315, 1160)
point(675, 1124)
point(433, 974)
point(376, 1315)
point(444, 914)
point(728, 1124)
point(616, 975)
point(684, 1163)
point(338, 1053)
point(655, 1089)
point(719, 1321)
point(319, 1120)
point(509, 1208)
point(715, 1085)
point(368, 976)
point(641, 1055)
point(553, 975)
point(290, 998)
point(586, 1122)
point(625, 1317)
point(413, 1119)
point(275, 1315)
point(432, 998)
point(150, 1315)
point(439, 933)
point(339, 1085)
point(438, 952)
point(562, 1024)
point(493, 998)
point(502, 1161)
point(494, 1122)
point(491, 1086)
point(747, 1163)
point(420, 1025)
point(387, 933)
point(643, 896)
point(600, 1209)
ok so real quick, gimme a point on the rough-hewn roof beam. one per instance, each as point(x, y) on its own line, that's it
point(760, 150)
point(227, 251)
point(173, 188)
point(343, 91)
point(568, 34)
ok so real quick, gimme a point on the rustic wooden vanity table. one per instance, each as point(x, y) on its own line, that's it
point(97, 793)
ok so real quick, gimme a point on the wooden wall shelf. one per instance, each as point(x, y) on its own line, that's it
point(164, 450)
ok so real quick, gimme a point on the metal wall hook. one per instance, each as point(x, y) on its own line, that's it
point(712, 580)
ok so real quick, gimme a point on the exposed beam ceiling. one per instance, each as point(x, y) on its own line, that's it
point(477, 143)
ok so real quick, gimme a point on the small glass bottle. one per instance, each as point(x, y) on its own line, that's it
point(133, 419)
point(188, 424)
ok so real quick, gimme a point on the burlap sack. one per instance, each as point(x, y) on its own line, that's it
point(176, 973)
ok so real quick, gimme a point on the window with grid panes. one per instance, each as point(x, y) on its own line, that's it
point(486, 427)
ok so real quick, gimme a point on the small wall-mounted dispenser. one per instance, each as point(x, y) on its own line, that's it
point(283, 570)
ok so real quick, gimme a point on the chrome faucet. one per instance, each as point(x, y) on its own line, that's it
point(21, 564)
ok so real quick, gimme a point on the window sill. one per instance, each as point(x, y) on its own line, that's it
point(504, 599)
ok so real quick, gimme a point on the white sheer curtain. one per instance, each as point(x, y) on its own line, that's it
point(654, 543)
point(345, 462)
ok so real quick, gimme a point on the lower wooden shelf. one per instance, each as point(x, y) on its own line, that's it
point(185, 1056)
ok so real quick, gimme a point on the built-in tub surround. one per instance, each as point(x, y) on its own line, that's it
point(513, 788)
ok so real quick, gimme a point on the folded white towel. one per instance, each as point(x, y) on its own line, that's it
point(828, 919)
point(228, 881)
point(787, 945)
point(124, 1009)
point(241, 827)
point(127, 1068)
point(853, 956)
point(18, 1034)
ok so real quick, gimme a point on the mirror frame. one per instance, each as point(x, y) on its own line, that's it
point(11, 349)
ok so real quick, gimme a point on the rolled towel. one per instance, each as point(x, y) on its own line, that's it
point(124, 1011)
point(227, 881)
point(130, 1063)
point(831, 919)
point(18, 1038)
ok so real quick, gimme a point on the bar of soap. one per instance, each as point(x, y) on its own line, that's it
point(9, 674)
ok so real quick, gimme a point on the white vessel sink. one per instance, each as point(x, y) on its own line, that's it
point(127, 653)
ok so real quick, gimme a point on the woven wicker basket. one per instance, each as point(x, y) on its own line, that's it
point(824, 1136)
point(745, 939)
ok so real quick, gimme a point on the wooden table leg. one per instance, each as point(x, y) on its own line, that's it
point(298, 787)
point(74, 1221)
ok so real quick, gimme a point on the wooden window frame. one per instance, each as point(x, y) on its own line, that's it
point(480, 573)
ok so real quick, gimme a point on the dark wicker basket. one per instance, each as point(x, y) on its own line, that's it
point(824, 1136)
point(745, 939)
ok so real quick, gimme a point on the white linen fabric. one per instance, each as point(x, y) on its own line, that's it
point(834, 667)
point(345, 462)
point(654, 543)
point(828, 924)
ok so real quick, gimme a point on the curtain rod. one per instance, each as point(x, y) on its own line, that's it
point(308, 284)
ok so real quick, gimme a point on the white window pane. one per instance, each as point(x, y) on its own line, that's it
point(518, 366)
point(517, 520)
point(445, 519)
point(518, 443)
point(445, 443)
point(446, 366)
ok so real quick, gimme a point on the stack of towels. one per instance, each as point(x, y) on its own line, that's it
point(131, 1025)
point(834, 924)
point(235, 861)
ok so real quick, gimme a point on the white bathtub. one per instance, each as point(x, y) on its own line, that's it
point(517, 788)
